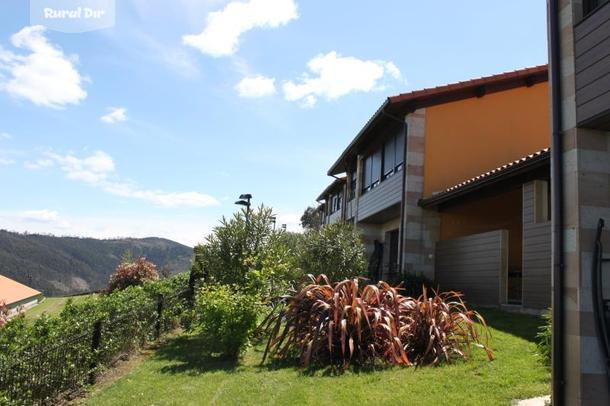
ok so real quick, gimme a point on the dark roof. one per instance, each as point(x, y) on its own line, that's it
point(514, 168)
point(395, 107)
point(330, 188)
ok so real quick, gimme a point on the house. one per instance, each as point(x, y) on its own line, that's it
point(15, 294)
point(453, 182)
point(579, 50)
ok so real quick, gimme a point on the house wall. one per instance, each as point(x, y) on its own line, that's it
point(586, 167)
point(536, 273)
point(487, 213)
point(474, 135)
point(475, 265)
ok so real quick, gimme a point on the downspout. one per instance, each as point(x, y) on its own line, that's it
point(558, 397)
point(401, 231)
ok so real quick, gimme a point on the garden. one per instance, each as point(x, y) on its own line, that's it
point(267, 316)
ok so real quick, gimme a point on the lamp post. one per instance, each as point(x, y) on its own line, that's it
point(273, 220)
point(244, 200)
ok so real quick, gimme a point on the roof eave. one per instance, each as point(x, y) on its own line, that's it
point(534, 163)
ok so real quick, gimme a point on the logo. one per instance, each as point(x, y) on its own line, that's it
point(73, 16)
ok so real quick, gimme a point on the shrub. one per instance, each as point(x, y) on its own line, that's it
point(344, 323)
point(335, 250)
point(132, 274)
point(223, 257)
point(57, 350)
point(545, 336)
point(225, 319)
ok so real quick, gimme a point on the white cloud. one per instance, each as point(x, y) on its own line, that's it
point(45, 77)
point(220, 36)
point(332, 76)
point(44, 215)
point(188, 231)
point(5, 136)
point(115, 115)
point(255, 86)
point(6, 161)
point(98, 170)
point(38, 164)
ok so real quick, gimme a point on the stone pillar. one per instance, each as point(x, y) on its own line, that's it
point(586, 169)
point(421, 227)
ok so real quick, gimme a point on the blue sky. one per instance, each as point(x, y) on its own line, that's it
point(153, 127)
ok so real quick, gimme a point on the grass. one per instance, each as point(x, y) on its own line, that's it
point(50, 306)
point(178, 374)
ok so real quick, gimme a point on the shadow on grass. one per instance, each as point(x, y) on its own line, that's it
point(187, 356)
point(524, 326)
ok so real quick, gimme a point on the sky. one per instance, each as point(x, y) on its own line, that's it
point(154, 126)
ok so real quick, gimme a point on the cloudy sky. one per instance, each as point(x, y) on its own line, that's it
point(155, 126)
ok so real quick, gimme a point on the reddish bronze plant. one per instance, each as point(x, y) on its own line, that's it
point(344, 323)
point(132, 274)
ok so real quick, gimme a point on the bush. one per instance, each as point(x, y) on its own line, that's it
point(132, 274)
point(342, 323)
point(57, 350)
point(335, 250)
point(225, 319)
point(545, 336)
point(224, 257)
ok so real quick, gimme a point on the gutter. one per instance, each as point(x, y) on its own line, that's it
point(558, 394)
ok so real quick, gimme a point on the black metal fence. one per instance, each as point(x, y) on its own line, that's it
point(48, 373)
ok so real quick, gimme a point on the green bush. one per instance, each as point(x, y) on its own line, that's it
point(335, 250)
point(544, 337)
point(225, 319)
point(252, 255)
point(223, 257)
point(57, 350)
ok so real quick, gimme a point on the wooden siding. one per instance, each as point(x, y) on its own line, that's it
point(475, 265)
point(592, 60)
point(334, 217)
point(386, 194)
point(536, 270)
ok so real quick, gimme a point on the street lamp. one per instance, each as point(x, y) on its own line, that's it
point(273, 220)
point(244, 200)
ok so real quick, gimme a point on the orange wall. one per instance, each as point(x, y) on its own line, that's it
point(469, 137)
point(499, 212)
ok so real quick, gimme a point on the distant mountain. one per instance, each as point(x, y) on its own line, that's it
point(67, 265)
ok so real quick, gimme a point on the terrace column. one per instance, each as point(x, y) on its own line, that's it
point(421, 227)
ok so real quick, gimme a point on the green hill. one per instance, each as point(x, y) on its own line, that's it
point(60, 266)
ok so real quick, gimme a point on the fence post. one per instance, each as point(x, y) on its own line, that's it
point(159, 315)
point(96, 339)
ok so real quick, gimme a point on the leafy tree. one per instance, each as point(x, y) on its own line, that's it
point(132, 274)
point(126, 257)
point(226, 255)
point(4, 312)
point(311, 218)
point(335, 250)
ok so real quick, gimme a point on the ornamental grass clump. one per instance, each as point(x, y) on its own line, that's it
point(344, 323)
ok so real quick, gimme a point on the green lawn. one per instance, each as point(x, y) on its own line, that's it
point(50, 306)
point(177, 374)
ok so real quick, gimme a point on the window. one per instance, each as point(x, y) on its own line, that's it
point(393, 155)
point(376, 168)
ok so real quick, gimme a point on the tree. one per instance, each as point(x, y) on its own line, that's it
point(311, 218)
point(335, 250)
point(224, 257)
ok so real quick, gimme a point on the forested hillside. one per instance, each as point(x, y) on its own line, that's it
point(67, 265)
